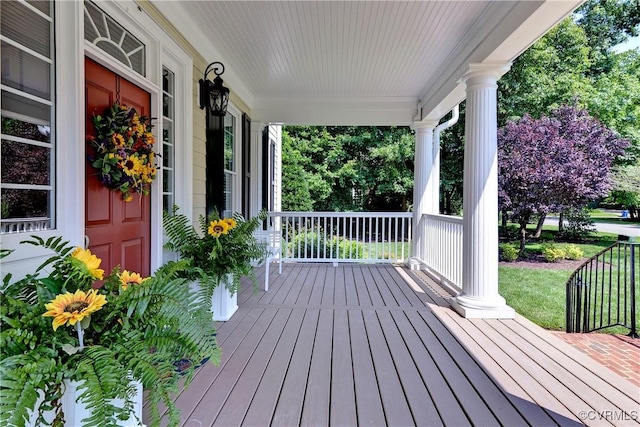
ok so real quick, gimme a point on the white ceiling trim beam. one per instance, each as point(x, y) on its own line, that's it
point(387, 111)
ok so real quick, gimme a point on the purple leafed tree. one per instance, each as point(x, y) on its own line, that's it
point(554, 163)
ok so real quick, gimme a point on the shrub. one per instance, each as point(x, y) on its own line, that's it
point(346, 248)
point(573, 252)
point(552, 253)
point(508, 252)
point(306, 244)
point(311, 244)
point(579, 225)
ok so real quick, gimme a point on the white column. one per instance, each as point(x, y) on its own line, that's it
point(256, 167)
point(422, 181)
point(480, 297)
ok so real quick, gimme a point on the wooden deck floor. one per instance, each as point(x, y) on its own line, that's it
point(359, 345)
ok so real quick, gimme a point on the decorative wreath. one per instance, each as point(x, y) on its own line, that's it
point(124, 156)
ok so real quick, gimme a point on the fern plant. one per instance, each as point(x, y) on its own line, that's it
point(125, 327)
point(221, 247)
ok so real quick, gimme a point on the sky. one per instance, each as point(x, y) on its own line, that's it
point(632, 43)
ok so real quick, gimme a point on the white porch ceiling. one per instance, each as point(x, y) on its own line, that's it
point(357, 62)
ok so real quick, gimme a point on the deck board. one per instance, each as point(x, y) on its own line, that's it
point(315, 410)
point(265, 398)
point(376, 345)
point(368, 404)
point(343, 400)
point(239, 400)
point(290, 402)
point(423, 410)
point(397, 411)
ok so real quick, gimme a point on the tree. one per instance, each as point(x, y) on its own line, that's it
point(607, 23)
point(298, 197)
point(552, 72)
point(554, 163)
point(348, 168)
point(452, 166)
point(626, 181)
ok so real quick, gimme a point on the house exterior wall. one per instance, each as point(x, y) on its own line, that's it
point(199, 120)
point(165, 45)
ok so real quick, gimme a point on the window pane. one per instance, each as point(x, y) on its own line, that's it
point(27, 145)
point(167, 180)
point(24, 129)
point(42, 6)
point(18, 203)
point(228, 192)
point(168, 139)
point(107, 34)
point(168, 200)
point(26, 27)
point(229, 136)
point(25, 72)
point(167, 144)
point(38, 111)
point(25, 163)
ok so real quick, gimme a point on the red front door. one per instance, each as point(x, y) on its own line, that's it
point(118, 231)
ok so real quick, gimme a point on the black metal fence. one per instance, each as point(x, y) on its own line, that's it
point(603, 291)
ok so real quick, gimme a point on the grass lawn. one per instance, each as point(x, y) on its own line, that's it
point(535, 293)
point(537, 290)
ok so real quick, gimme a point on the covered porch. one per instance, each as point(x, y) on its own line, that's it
point(363, 344)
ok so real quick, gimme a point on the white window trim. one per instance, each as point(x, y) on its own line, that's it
point(236, 195)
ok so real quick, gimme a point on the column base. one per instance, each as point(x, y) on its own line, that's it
point(473, 308)
point(414, 263)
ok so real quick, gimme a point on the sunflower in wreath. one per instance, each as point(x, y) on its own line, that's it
point(123, 147)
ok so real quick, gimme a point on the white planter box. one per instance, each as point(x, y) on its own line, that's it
point(223, 303)
point(75, 412)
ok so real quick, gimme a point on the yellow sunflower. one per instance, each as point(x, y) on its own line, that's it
point(129, 278)
point(127, 197)
point(132, 166)
point(218, 228)
point(117, 140)
point(88, 262)
point(231, 223)
point(149, 138)
point(71, 308)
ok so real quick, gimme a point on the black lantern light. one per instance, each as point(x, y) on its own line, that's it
point(213, 95)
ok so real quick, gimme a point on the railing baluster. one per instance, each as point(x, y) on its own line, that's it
point(634, 332)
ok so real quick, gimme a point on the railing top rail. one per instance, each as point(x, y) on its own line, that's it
point(447, 218)
point(325, 214)
point(586, 262)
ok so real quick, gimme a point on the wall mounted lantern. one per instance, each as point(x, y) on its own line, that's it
point(213, 95)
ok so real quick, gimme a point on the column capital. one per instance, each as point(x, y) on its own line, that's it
point(424, 125)
point(490, 69)
point(257, 126)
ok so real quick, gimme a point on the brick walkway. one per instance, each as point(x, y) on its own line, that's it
point(620, 353)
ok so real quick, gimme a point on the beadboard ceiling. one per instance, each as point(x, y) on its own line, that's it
point(357, 62)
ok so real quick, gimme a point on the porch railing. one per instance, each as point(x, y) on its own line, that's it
point(603, 291)
point(440, 247)
point(364, 237)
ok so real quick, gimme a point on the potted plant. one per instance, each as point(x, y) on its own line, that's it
point(221, 252)
point(68, 323)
